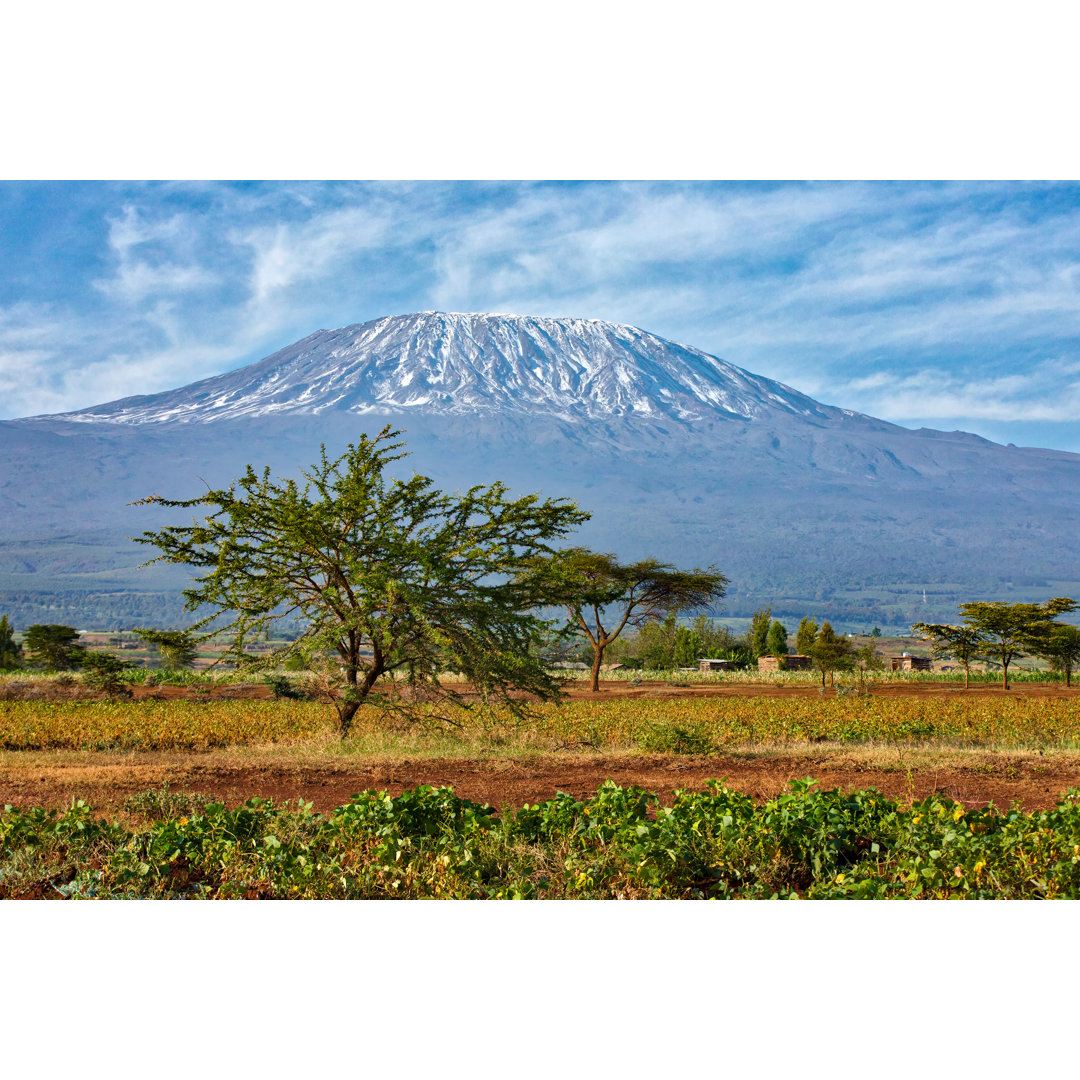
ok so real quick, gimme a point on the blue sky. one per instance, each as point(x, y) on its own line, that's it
point(948, 305)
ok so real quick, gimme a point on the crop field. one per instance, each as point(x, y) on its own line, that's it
point(660, 790)
point(676, 724)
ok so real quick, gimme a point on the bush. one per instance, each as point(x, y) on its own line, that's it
point(104, 671)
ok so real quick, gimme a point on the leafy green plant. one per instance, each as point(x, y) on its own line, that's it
point(161, 803)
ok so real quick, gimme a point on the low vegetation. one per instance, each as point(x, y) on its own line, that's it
point(619, 844)
point(690, 725)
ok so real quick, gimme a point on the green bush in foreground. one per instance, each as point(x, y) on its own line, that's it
point(620, 844)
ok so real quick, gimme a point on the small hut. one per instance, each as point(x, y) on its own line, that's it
point(716, 665)
point(910, 663)
point(795, 662)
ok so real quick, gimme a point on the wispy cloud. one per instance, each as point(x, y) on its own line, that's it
point(1048, 391)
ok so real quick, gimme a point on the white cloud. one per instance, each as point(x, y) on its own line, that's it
point(1048, 391)
point(283, 255)
point(138, 275)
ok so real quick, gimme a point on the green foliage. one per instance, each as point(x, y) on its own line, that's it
point(759, 631)
point(283, 688)
point(715, 843)
point(1059, 644)
point(776, 642)
point(830, 653)
point(1011, 630)
point(54, 647)
point(104, 671)
point(176, 648)
point(805, 635)
point(10, 649)
point(162, 803)
point(392, 575)
point(963, 643)
point(602, 597)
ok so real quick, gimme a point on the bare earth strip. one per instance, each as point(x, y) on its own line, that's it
point(1032, 779)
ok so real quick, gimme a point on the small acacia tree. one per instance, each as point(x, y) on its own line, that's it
point(590, 584)
point(105, 672)
point(1009, 630)
point(391, 575)
point(963, 643)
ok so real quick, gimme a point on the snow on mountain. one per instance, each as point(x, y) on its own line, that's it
point(443, 363)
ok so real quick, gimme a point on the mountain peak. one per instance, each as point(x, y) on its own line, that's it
point(468, 362)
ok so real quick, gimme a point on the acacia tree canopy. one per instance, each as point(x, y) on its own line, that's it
point(830, 652)
point(602, 596)
point(963, 643)
point(1059, 643)
point(392, 575)
point(1009, 630)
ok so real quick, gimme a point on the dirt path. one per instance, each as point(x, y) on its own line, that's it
point(1032, 781)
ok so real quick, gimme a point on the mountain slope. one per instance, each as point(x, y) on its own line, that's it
point(807, 507)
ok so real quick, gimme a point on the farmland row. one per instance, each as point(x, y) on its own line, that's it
point(680, 725)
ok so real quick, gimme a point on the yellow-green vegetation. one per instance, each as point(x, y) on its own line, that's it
point(155, 725)
point(683, 725)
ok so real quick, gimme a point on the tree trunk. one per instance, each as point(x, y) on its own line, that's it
point(1005, 675)
point(356, 693)
point(967, 676)
point(346, 711)
point(598, 655)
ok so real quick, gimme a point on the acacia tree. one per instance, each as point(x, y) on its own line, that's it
point(1009, 630)
point(1060, 644)
point(963, 643)
point(392, 575)
point(591, 584)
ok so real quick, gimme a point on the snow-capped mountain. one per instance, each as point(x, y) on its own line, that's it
point(677, 454)
point(453, 364)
